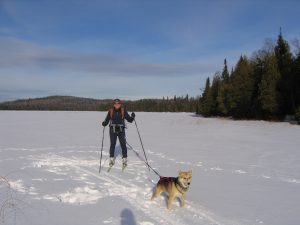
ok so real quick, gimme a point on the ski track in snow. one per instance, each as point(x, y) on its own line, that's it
point(60, 161)
point(216, 168)
point(51, 159)
point(245, 172)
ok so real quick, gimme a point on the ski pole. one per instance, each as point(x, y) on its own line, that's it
point(101, 149)
point(142, 144)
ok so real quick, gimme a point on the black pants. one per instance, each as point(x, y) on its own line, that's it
point(113, 141)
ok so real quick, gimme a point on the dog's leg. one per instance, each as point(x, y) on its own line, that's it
point(170, 201)
point(183, 200)
point(153, 195)
point(156, 193)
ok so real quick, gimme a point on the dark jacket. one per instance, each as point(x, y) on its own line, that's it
point(117, 117)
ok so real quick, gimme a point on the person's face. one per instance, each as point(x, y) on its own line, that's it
point(117, 105)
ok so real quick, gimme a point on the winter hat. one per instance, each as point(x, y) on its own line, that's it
point(117, 100)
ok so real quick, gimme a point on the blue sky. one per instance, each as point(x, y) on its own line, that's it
point(130, 48)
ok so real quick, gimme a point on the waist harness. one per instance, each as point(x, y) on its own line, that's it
point(117, 128)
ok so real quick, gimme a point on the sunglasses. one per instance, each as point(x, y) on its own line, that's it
point(117, 103)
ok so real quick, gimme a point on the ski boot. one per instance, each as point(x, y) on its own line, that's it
point(111, 163)
point(124, 163)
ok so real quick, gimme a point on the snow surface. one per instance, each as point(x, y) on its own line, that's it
point(244, 172)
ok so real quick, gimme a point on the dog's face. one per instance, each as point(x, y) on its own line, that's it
point(185, 178)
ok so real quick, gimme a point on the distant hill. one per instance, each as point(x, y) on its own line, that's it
point(70, 103)
point(64, 103)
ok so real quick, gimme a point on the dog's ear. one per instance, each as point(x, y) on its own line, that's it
point(179, 171)
point(190, 171)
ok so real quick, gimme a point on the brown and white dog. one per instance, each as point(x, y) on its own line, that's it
point(174, 187)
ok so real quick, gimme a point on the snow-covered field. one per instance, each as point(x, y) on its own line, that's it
point(244, 172)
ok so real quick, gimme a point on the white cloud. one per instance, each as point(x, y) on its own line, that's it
point(21, 54)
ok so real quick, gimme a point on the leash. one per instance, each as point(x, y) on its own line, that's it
point(142, 145)
point(101, 149)
point(142, 159)
point(136, 153)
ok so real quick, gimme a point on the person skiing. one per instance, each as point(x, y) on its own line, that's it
point(116, 119)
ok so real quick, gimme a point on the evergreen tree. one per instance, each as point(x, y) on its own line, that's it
point(284, 61)
point(257, 77)
point(222, 99)
point(283, 54)
point(225, 73)
point(206, 101)
point(215, 92)
point(241, 89)
point(268, 92)
point(296, 74)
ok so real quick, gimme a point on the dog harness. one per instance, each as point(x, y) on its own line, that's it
point(179, 187)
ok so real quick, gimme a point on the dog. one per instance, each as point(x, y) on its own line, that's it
point(174, 187)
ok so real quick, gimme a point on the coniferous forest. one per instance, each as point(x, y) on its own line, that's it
point(264, 86)
point(70, 103)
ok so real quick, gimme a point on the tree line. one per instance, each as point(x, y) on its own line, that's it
point(265, 86)
point(70, 103)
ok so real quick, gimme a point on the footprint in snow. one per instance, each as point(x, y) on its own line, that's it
point(216, 169)
point(239, 171)
point(146, 223)
point(292, 181)
point(266, 177)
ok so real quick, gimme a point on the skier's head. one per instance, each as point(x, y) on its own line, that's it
point(117, 103)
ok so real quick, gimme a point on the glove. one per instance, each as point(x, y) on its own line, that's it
point(104, 124)
point(133, 115)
